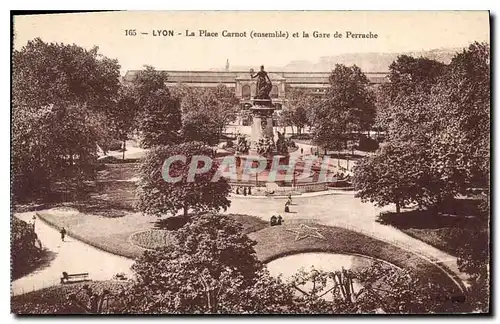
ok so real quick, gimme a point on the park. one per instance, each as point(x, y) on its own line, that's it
point(138, 197)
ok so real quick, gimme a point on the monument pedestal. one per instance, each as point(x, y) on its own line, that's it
point(262, 121)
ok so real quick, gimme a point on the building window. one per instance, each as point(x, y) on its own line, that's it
point(245, 91)
point(274, 91)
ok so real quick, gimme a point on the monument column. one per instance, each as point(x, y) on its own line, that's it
point(256, 128)
point(262, 124)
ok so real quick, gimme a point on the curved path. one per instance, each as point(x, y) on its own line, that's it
point(341, 209)
point(72, 256)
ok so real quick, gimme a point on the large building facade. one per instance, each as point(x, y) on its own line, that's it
point(244, 86)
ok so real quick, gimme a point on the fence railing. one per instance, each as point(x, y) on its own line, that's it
point(298, 188)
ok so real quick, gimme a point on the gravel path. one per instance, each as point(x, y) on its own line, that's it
point(72, 256)
point(341, 209)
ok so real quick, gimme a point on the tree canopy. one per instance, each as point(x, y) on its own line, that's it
point(205, 272)
point(431, 109)
point(158, 197)
point(60, 97)
point(206, 112)
point(160, 116)
point(347, 108)
point(298, 103)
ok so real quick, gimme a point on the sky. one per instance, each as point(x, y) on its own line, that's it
point(398, 31)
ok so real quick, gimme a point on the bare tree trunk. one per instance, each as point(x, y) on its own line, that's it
point(185, 209)
point(209, 302)
point(398, 207)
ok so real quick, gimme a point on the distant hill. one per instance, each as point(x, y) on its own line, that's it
point(368, 62)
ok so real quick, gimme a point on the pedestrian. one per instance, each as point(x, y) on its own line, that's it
point(244, 191)
point(249, 191)
point(287, 209)
point(279, 221)
point(273, 220)
point(302, 150)
point(237, 190)
point(63, 233)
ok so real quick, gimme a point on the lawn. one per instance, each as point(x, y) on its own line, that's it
point(118, 171)
point(278, 241)
point(112, 194)
point(444, 230)
point(113, 234)
point(107, 218)
point(444, 239)
point(109, 234)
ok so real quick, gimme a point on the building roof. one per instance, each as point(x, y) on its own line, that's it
point(228, 77)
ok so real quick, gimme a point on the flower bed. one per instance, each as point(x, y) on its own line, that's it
point(151, 239)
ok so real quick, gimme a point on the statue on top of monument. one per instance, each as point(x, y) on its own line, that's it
point(264, 84)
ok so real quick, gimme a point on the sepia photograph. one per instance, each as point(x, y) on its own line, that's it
point(250, 163)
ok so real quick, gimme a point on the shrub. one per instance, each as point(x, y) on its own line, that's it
point(367, 144)
point(54, 300)
point(24, 249)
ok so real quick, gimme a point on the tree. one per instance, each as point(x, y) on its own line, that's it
point(204, 272)
point(160, 118)
point(346, 110)
point(464, 93)
point(124, 114)
point(390, 176)
point(285, 119)
point(58, 74)
point(409, 77)
point(218, 106)
point(60, 96)
point(226, 106)
point(199, 127)
point(428, 108)
point(299, 118)
point(444, 112)
point(158, 197)
point(299, 102)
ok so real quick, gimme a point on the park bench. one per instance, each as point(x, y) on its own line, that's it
point(74, 277)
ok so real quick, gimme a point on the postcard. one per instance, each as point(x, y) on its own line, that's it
point(251, 162)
